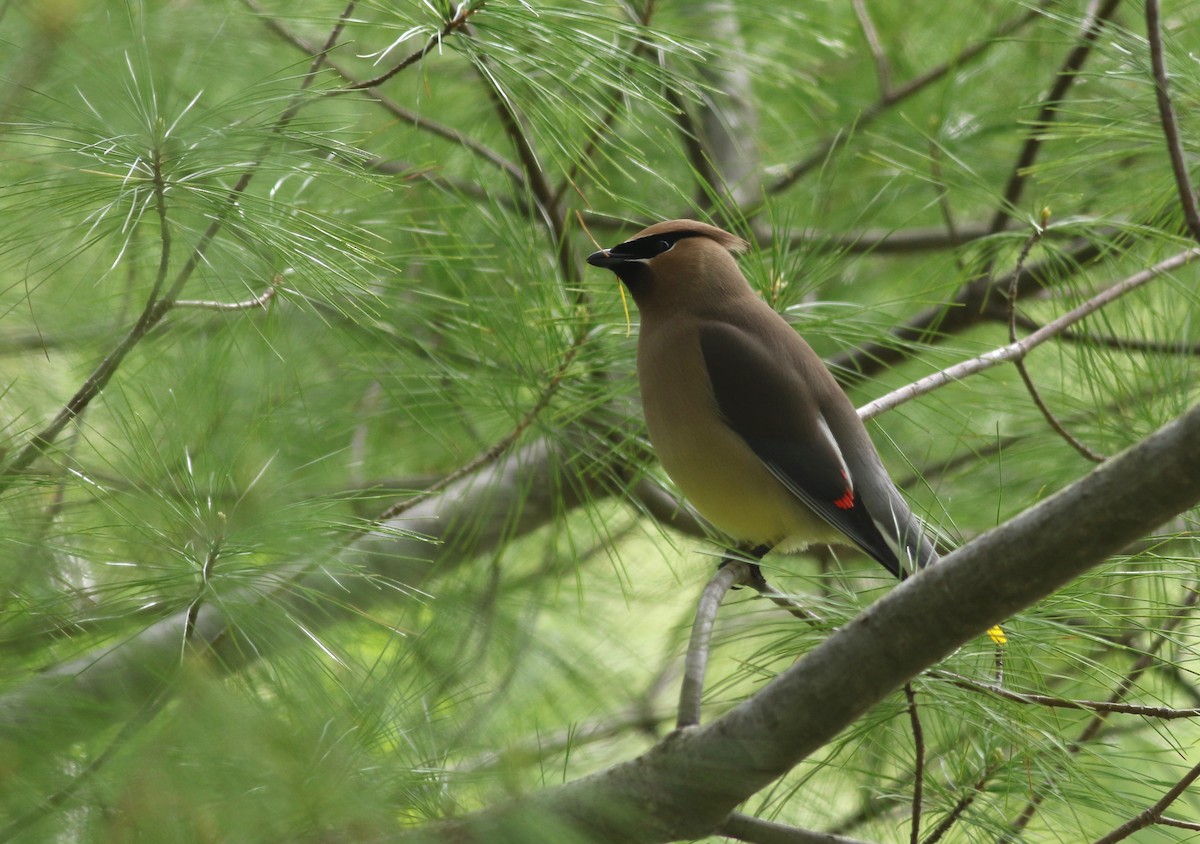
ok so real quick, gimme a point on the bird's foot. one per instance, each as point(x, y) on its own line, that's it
point(755, 577)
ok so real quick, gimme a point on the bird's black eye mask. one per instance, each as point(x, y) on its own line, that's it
point(630, 260)
point(645, 248)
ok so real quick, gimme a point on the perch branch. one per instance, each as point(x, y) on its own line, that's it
point(732, 573)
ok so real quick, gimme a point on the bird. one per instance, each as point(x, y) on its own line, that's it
point(744, 416)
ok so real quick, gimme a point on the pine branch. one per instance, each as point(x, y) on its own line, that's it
point(901, 93)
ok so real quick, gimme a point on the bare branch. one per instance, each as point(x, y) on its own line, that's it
point(961, 805)
point(1166, 111)
point(1121, 344)
point(259, 301)
point(943, 196)
point(1178, 824)
point(730, 574)
point(1022, 347)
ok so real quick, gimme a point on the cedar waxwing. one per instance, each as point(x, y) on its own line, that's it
point(744, 416)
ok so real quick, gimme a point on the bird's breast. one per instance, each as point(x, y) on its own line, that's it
point(712, 466)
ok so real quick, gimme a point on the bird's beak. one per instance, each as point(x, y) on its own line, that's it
point(604, 258)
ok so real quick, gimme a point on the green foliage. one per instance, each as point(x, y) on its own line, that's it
point(286, 304)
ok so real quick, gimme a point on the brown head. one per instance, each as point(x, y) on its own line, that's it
point(678, 262)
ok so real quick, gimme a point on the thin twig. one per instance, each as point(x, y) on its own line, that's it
point(541, 745)
point(784, 601)
point(901, 93)
point(693, 146)
point(449, 133)
point(156, 306)
point(732, 573)
point(535, 176)
point(1166, 111)
point(454, 185)
point(1019, 175)
point(894, 242)
point(206, 571)
point(876, 241)
point(961, 805)
point(1022, 347)
point(1178, 824)
point(1053, 421)
point(528, 157)
point(918, 735)
point(1162, 713)
point(259, 301)
point(882, 70)
point(1154, 813)
point(449, 26)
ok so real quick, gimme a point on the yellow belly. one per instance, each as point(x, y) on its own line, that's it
point(714, 467)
